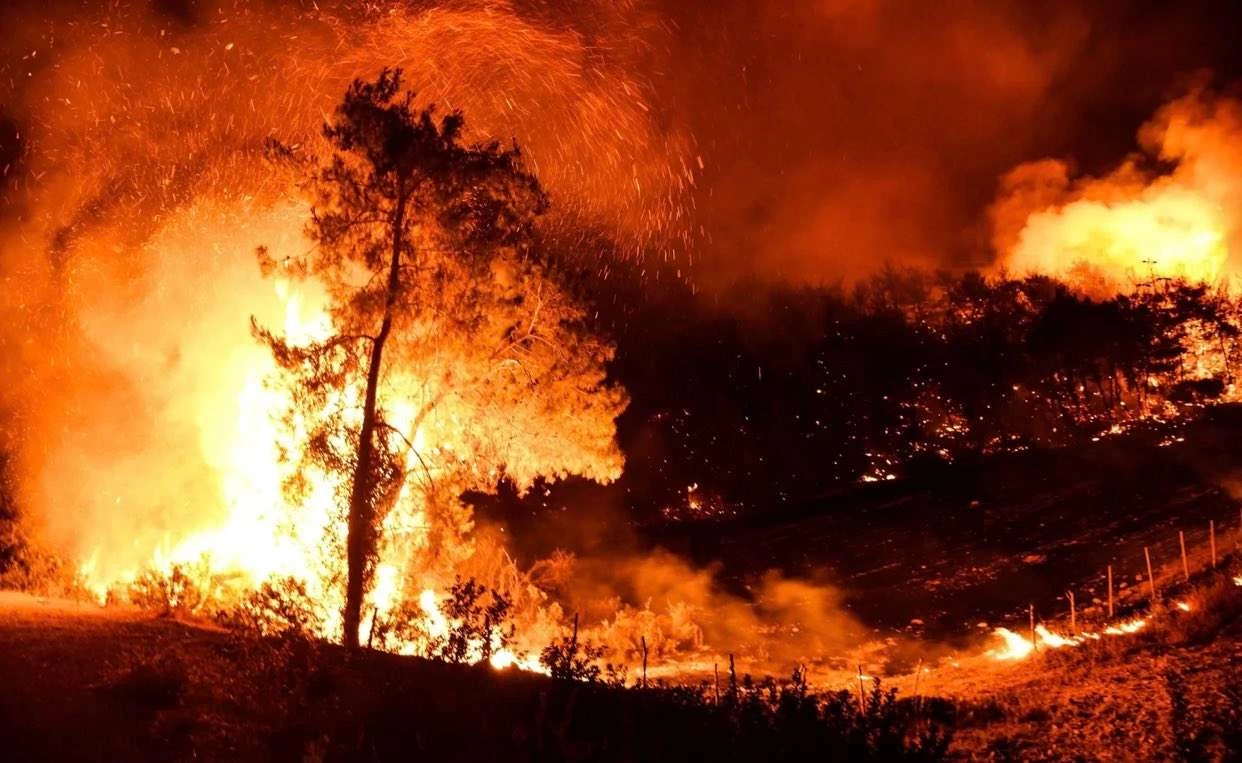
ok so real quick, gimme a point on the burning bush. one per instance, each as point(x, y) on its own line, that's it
point(183, 588)
point(450, 358)
point(569, 659)
point(277, 608)
point(473, 624)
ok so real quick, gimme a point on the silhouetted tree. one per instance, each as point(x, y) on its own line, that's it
point(455, 359)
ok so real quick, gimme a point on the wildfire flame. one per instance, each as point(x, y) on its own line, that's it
point(243, 529)
point(1111, 233)
point(150, 442)
point(1018, 647)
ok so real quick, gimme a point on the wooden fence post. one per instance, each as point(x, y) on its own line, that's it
point(1110, 590)
point(1151, 579)
point(732, 680)
point(1181, 537)
point(918, 673)
point(644, 640)
point(862, 697)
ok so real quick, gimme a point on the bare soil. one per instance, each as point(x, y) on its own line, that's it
point(1133, 703)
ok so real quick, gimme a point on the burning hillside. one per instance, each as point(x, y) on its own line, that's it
point(150, 184)
point(409, 326)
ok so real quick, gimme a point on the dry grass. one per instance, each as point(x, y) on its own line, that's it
point(1170, 691)
point(84, 683)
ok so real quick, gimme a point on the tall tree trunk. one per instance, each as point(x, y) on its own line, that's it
point(360, 538)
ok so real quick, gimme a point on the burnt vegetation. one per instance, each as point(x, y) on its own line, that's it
point(780, 398)
point(268, 688)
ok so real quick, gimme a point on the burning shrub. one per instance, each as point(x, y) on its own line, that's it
point(568, 659)
point(178, 590)
point(479, 624)
point(474, 624)
point(10, 539)
point(631, 629)
point(280, 608)
point(554, 573)
point(25, 565)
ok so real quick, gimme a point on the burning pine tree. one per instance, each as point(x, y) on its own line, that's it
point(455, 358)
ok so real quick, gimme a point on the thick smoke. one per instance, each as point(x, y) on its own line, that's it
point(807, 140)
point(839, 135)
point(1170, 211)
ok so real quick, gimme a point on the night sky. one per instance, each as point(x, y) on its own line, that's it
point(835, 135)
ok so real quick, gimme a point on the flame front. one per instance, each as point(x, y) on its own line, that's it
point(242, 528)
point(1112, 233)
point(252, 534)
point(1018, 647)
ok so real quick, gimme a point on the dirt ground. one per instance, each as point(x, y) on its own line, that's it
point(1146, 704)
point(80, 683)
point(60, 666)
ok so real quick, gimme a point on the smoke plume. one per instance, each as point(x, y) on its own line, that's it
point(1141, 221)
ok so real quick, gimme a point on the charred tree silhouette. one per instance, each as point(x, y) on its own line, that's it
point(426, 249)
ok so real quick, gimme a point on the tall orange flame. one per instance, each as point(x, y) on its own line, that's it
point(1111, 233)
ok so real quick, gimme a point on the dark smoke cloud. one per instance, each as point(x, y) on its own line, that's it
point(835, 134)
point(843, 133)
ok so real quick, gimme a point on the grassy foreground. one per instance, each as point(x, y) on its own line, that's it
point(1173, 691)
point(83, 683)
